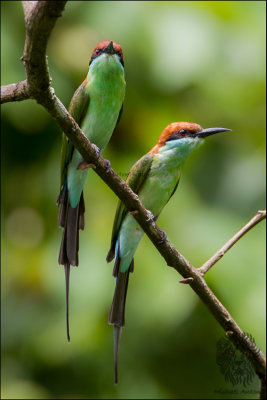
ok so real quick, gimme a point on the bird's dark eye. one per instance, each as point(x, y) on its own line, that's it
point(180, 134)
point(97, 51)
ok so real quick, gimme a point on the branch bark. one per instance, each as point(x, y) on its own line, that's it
point(40, 18)
point(15, 92)
point(28, 7)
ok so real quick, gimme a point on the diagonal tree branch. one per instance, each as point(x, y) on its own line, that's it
point(261, 214)
point(40, 18)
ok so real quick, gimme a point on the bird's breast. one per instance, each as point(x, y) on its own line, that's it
point(106, 92)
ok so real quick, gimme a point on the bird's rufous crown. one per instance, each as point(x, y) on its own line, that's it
point(105, 43)
point(173, 128)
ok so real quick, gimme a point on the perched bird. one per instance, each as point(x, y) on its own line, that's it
point(154, 178)
point(96, 107)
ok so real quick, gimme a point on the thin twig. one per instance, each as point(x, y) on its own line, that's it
point(261, 214)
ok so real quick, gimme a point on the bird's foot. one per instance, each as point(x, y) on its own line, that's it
point(163, 238)
point(84, 165)
point(150, 217)
point(133, 212)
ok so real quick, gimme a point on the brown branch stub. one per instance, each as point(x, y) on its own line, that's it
point(261, 214)
point(186, 281)
point(15, 92)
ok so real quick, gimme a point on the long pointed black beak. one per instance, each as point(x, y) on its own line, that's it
point(110, 49)
point(211, 131)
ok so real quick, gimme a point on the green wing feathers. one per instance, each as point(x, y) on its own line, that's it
point(77, 109)
point(135, 180)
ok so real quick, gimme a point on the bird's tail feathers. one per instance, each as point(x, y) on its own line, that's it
point(71, 220)
point(117, 336)
point(117, 312)
point(67, 284)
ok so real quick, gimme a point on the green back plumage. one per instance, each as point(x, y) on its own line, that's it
point(135, 180)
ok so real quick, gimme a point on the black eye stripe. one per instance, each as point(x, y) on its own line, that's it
point(119, 54)
point(174, 136)
point(98, 52)
point(184, 132)
point(94, 56)
point(180, 134)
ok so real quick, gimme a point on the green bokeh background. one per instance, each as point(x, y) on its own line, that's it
point(202, 62)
